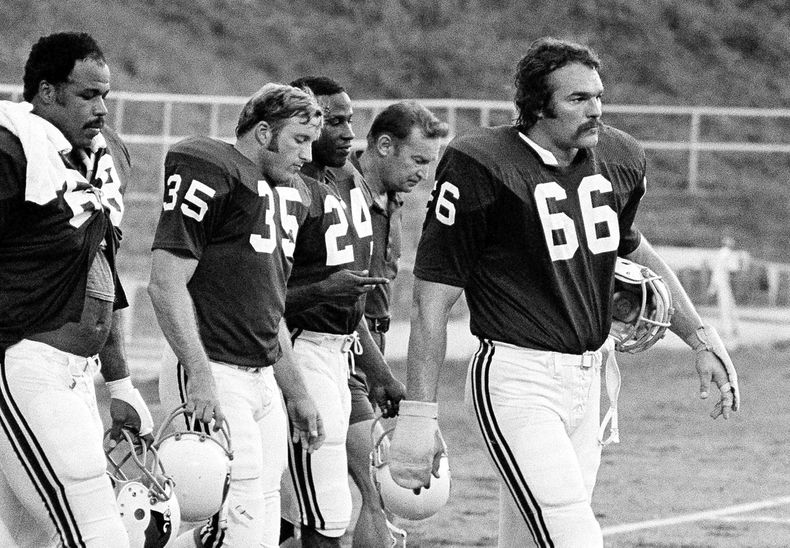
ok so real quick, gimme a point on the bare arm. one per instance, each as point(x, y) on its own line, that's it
point(685, 320)
point(175, 312)
point(430, 313)
point(712, 361)
point(127, 408)
point(113, 355)
point(348, 284)
point(386, 389)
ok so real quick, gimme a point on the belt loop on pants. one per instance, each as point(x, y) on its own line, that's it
point(379, 325)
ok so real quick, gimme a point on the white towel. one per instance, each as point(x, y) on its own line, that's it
point(42, 144)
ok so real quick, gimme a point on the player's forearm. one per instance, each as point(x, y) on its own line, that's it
point(428, 338)
point(300, 298)
point(686, 319)
point(113, 355)
point(175, 313)
point(371, 361)
point(286, 370)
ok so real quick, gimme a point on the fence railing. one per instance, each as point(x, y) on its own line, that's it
point(168, 118)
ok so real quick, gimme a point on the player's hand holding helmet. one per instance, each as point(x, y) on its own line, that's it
point(413, 504)
point(144, 492)
point(388, 395)
point(641, 307)
point(128, 410)
point(198, 458)
point(712, 361)
point(417, 445)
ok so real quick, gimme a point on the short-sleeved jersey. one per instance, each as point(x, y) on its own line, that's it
point(336, 235)
point(219, 208)
point(533, 245)
point(387, 229)
point(46, 250)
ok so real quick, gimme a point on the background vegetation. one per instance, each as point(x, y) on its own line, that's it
point(664, 52)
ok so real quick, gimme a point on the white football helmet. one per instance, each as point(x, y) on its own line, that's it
point(199, 463)
point(641, 307)
point(144, 492)
point(399, 500)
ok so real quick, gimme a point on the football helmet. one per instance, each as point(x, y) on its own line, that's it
point(199, 463)
point(144, 492)
point(399, 500)
point(641, 307)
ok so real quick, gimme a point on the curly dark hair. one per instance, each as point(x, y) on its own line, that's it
point(319, 85)
point(52, 59)
point(544, 56)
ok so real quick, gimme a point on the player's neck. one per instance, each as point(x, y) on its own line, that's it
point(563, 156)
point(372, 177)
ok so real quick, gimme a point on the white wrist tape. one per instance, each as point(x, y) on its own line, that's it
point(123, 390)
point(413, 408)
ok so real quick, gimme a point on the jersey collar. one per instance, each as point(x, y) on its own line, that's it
point(547, 157)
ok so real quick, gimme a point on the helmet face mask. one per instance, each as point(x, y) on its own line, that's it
point(144, 492)
point(641, 307)
point(403, 502)
point(199, 464)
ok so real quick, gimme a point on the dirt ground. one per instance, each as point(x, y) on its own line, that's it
point(714, 483)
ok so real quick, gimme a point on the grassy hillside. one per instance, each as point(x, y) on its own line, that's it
point(698, 52)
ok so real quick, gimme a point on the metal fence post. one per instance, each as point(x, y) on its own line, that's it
point(693, 168)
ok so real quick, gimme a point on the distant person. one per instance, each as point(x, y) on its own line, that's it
point(222, 254)
point(402, 144)
point(724, 263)
point(528, 220)
point(325, 314)
point(62, 177)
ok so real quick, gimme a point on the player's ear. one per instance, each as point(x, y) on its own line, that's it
point(47, 92)
point(263, 133)
point(384, 144)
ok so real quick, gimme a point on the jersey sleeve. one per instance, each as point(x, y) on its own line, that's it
point(455, 228)
point(630, 237)
point(12, 177)
point(195, 193)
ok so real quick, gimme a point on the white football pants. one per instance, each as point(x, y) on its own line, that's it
point(538, 413)
point(51, 450)
point(254, 409)
point(316, 492)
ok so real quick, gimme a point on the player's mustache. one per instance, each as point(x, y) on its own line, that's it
point(593, 124)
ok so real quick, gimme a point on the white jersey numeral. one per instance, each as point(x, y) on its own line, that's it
point(288, 221)
point(445, 207)
point(592, 216)
point(193, 205)
point(363, 224)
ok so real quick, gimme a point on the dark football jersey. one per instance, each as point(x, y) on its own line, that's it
point(336, 235)
point(218, 208)
point(533, 245)
point(387, 229)
point(46, 250)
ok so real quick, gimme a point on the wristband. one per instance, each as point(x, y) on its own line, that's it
point(699, 339)
point(120, 387)
point(414, 408)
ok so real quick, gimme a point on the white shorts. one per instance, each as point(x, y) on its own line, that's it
point(254, 409)
point(539, 415)
point(51, 449)
point(316, 492)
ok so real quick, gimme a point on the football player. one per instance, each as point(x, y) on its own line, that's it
point(223, 251)
point(63, 174)
point(324, 311)
point(528, 220)
point(403, 141)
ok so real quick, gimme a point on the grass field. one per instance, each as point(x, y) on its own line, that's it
point(714, 483)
